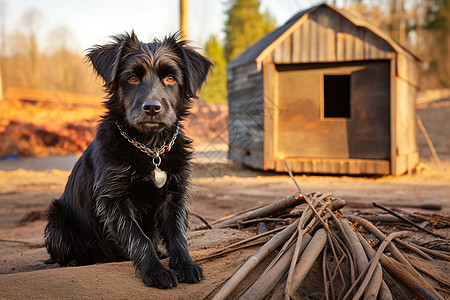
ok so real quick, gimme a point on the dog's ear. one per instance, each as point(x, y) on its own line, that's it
point(197, 68)
point(105, 58)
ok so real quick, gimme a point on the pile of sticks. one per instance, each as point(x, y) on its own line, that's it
point(351, 267)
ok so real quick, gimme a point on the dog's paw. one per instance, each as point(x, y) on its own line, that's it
point(190, 273)
point(161, 278)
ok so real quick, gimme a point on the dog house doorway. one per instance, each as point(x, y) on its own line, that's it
point(333, 110)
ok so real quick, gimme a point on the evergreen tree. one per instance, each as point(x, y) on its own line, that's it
point(245, 25)
point(215, 90)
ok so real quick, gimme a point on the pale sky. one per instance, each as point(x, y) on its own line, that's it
point(92, 22)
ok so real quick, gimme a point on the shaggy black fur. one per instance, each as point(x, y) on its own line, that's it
point(110, 209)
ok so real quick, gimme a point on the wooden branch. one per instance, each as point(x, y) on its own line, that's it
point(384, 292)
point(201, 219)
point(374, 285)
point(408, 275)
point(240, 224)
point(293, 262)
point(430, 144)
point(255, 237)
point(251, 263)
point(428, 206)
point(262, 287)
point(346, 244)
point(270, 209)
point(419, 286)
point(338, 204)
point(432, 252)
point(332, 243)
point(237, 245)
point(405, 219)
point(285, 247)
point(430, 274)
point(362, 262)
point(395, 253)
point(237, 214)
point(325, 272)
point(412, 248)
point(379, 235)
point(308, 258)
point(385, 218)
point(226, 251)
point(295, 181)
point(360, 255)
point(374, 262)
point(301, 231)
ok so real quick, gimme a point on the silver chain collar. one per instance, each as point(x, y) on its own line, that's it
point(155, 152)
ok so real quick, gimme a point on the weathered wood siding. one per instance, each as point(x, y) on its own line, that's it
point(261, 135)
point(365, 134)
point(335, 166)
point(246, 115)
point(408, 70)
point(329, 37)
point(405, 143)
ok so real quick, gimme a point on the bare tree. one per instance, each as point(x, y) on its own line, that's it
point(61, 43)
point(32, 21)
point(3, 9)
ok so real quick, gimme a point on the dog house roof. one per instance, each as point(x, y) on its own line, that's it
point(261, 48)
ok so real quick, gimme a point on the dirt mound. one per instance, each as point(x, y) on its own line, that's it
point(28, 139)
point(34, 130)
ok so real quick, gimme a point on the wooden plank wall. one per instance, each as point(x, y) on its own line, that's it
point(329, 37)
point(246, 115)
point(408, 70)
point(326, 36)
point(271, 113)
point(335, 166)
point(406, 130)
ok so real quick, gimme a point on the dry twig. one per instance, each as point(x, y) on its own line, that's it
point(262, 287)
point(412, 248)
point(267, 210)
point(374, 262)
point(406, 220)
point(307, 259)
point(251, 263)
point(384, 292)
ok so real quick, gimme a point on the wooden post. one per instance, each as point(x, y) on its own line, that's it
point(184, 19)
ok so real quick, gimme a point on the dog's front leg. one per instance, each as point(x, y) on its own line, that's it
point(173, 220)
point(120, 223)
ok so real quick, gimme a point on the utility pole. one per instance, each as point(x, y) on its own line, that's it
point(184, 29)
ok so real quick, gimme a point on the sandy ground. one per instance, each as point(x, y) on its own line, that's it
point(220, 187)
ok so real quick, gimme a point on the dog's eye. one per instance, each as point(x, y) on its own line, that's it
point(133, 79)
point(169, 79)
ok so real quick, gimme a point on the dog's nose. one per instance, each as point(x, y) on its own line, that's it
point(152, 107)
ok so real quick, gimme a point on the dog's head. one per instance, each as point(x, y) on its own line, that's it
point(150, 84)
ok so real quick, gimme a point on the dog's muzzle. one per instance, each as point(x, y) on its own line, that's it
point(152, 107)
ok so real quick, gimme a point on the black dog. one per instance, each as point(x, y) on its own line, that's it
point(127, 193)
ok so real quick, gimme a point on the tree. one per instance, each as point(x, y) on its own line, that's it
point(3, 10)
point(61, 45)
point(32, 21)
point(244, 26)
point(215, 90)
point(438, 22)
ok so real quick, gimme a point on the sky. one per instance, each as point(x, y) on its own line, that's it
point(93, 22)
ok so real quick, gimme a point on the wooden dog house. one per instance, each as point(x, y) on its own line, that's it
point(326, 93)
